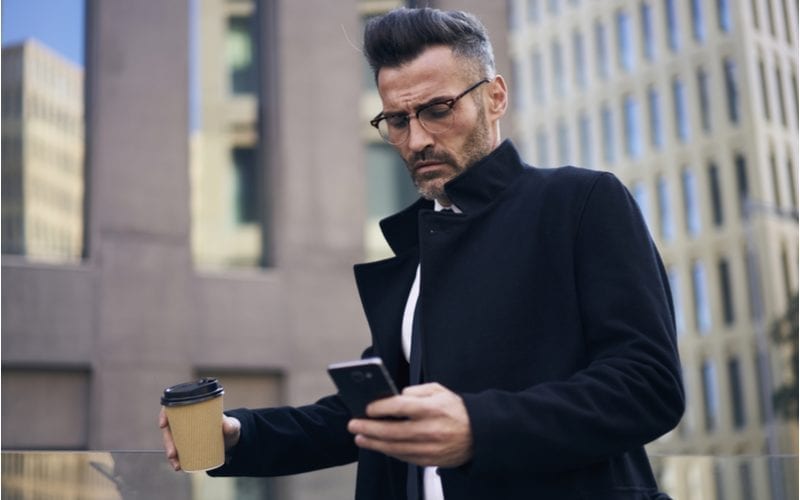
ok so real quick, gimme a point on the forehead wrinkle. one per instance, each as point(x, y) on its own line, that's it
point(432, 75)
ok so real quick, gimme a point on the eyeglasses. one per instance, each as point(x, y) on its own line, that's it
point(435, 117)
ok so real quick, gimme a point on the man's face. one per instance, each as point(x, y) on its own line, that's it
point(434, 159)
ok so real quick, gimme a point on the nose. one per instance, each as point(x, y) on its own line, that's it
point(418, 138)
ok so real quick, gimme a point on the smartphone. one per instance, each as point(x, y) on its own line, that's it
point(361, 382)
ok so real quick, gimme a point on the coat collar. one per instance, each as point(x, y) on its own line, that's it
point(472, 191)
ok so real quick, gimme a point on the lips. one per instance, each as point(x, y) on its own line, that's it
point(423, 166)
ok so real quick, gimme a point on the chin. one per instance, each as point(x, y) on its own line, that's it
point(431, 189)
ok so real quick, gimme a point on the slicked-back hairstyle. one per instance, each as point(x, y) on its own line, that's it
point(401, 35)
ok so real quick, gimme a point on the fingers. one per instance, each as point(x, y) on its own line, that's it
point(410, 403)
point(423, 390)
point(436, 429)
point(231, 431)
point(169, 443)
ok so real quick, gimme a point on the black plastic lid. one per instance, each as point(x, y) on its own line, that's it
point(191, 392)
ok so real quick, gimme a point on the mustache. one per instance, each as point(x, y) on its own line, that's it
point(430, 155)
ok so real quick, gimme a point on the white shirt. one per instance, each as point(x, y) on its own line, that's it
point(432, 483)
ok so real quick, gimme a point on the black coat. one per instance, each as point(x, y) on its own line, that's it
point(546, 307)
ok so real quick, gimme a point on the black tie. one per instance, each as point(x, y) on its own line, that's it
point(414, 479)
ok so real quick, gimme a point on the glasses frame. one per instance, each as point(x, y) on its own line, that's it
point(375, 122)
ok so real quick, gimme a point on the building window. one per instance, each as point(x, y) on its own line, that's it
point(389, 189)
point(796, 103)
point(534, 14)
point(654, 109)
point(690, 206)
point(764, 94)
point(517, 89)
point(704, 98)
point(625, 40)
point(776, 182)
point(762, 367)
point(558, 67)
point(787, 22)
point(601, 48)
point(537, 66)
point(563, 143)
point(673, 31)
point(681, 111)
point(607, 125)
point(737, 394)
point(584, 131)
point(541, 148)
point(677, 299)
point(648, 41)
point(698, 24)
point(754, 11)
point(726, 291)
point(240, 45)
point(702, 311)
point(770, 17)
point(579, 59)
point(664, 209)
point(731, 90)
point(719, 481)
point(716, 195)
point(781, 101)
point(724, 15)
point(553, 7)
point(746, 480)
point(787, 274)
point(512, 10)
point(246, 195)
point(753, 285)
point(708, 374)
point(790, 177)
point(639, 192)
point(742, 187)
point(632, 138)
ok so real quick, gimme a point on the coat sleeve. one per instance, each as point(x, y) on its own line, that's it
point(287, 440)
point(629, 391)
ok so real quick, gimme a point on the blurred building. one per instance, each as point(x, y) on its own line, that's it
point(89, 346)
point(226, 218)
point(42, 158)
point(693, 104)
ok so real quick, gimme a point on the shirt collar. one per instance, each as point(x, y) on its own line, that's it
point(471, 192)
point(438, 207)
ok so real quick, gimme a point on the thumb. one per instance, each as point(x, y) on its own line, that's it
point(231, 431)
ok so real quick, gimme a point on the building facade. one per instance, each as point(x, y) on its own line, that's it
point(100, 338)
point(43, 144)
point(225, 138)
point(693, 104)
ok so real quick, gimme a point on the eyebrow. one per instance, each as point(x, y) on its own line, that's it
point(415, 109)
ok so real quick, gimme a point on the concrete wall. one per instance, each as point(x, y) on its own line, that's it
point(136, 316)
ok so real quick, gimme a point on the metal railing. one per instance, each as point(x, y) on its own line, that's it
point(146, 475)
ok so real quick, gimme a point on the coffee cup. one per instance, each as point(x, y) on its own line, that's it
point(194, 411)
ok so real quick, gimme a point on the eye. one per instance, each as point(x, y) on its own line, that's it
point(397, 121)
point(436, 111)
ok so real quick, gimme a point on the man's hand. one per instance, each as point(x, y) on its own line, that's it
point(435, 432)
point(231, 429)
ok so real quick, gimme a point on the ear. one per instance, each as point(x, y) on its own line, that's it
point(497, 103)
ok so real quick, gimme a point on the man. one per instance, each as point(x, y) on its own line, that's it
point(535, 314)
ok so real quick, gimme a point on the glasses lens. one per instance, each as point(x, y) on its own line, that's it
point(393, 130)
point(437, 118)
